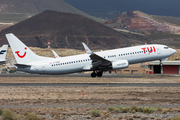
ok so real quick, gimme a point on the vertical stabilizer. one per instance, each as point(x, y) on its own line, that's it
point(22, 53)
point(3, 52)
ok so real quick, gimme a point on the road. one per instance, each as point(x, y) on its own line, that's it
point(54, 106)
point(95, 84)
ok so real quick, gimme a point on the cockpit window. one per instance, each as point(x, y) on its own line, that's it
point(165, 47)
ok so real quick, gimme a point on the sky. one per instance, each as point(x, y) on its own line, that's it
point(154, 7)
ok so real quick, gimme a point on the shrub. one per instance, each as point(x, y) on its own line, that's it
point(26, 113)
point(111, 108)
point(159, 108)
point(120, 107)
point(176, 118)
point(148, 109)
point(118, 110)
point(170, 109)
point(134, 108)
point(95, 113)
point(133, 111)
point(140, 109)
point(125, 110)
point(32, 117)
point(1, 111)
point(7, 115)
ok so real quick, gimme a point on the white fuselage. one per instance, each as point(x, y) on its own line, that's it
point(77, 63)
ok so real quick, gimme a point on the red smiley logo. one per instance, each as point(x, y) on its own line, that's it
point(21, 56)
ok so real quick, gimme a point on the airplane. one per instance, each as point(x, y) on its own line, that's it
point(55, 54)
point(3, 52)
point(97, 62)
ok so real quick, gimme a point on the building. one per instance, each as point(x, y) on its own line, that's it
point(168, 67)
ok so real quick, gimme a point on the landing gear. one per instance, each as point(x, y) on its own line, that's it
point(99, 74)
point(94, 74)
point(160, 63)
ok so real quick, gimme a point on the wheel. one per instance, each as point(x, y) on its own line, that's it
point(93, 74)
point(160, 63)
point(99, 74)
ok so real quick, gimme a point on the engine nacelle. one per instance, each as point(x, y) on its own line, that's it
point(120, 64)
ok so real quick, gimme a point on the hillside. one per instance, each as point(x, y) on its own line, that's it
point(65, 30)
point(26, 8)
point(140, 22)
point(108, 9)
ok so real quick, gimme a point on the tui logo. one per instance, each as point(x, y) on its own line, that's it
point(21, 56)
point(149, 49)
point(2, 52)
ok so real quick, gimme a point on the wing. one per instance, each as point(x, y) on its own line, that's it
point(98, 62)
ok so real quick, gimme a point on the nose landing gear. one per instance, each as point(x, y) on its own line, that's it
point(99, 74)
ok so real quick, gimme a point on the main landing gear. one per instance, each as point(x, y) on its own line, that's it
point(160, 63)
point(94, 74)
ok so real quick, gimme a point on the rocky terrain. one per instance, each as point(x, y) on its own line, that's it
point(143, 23)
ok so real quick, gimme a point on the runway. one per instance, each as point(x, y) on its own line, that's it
point(68, 75)
point(95, 84)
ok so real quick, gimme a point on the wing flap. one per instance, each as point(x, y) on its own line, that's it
point(22, 65)
point(96, 59)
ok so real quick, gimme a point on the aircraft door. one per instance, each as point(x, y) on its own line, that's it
point(43, 68)
point(158, 50)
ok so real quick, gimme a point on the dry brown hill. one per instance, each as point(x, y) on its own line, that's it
point(65, 30)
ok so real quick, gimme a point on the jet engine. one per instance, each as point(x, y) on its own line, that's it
point(120, 64)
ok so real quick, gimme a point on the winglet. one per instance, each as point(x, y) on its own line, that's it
point(87, 49)
point(55, 54)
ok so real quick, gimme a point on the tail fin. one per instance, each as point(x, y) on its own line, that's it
point(3, 52)
point(22, 53)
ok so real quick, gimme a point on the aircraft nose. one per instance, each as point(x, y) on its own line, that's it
point(173, 51)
